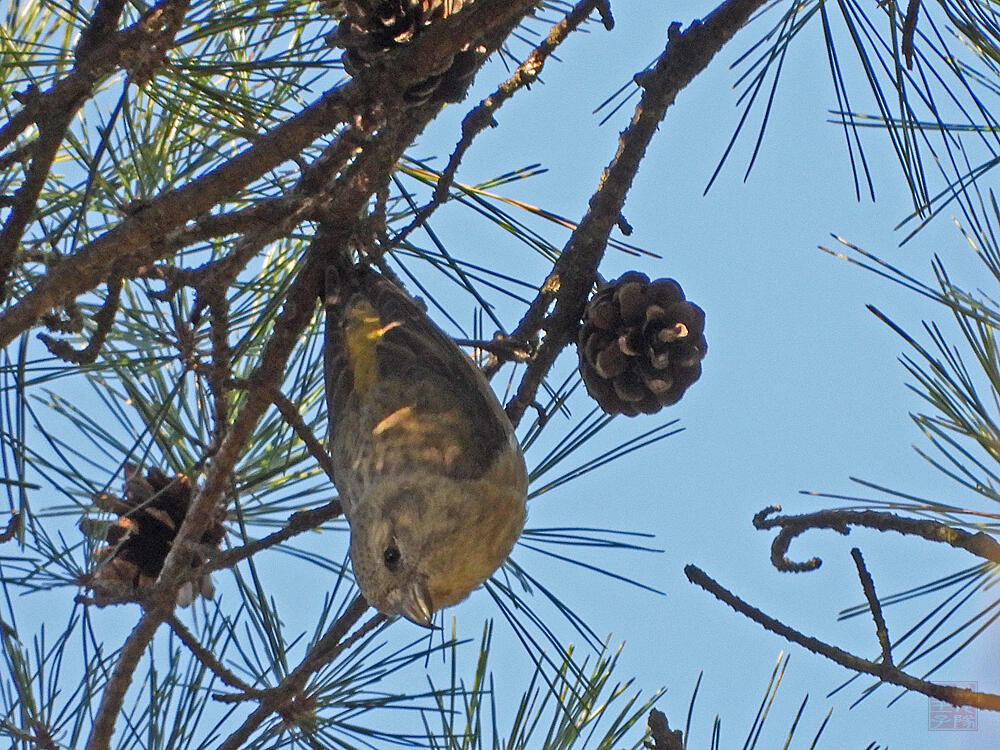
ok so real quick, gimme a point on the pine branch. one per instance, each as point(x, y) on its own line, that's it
point(569, 284)
point(291, 415)
point(283, 698)
point(373, 97)
point(341, 218)
point(54, 110)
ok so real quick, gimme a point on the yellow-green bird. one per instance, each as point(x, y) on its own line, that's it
point(430, 474)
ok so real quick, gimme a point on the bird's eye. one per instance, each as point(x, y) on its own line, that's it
point(391, 557)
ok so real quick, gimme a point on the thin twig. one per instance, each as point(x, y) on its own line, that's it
point(298, 523)
point(504, 347)
point(980, 544)
point(25, 198)
point(481, 117)
point(207, 658)
point(868, 586)
point(886, 672)
point(103, 318)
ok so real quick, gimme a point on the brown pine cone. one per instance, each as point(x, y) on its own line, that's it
point(640, 345)
point(149, 516)
point(372, 27)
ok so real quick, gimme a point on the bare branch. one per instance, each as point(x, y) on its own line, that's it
point(885, 671)
point(299, 522)
point(206, 657)
point(981, 544)
point(104, 319)
point(291, 415)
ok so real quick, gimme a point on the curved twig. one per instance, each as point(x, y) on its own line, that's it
point(104, 318)
point(980, 544)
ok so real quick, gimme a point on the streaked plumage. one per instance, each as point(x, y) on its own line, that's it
point(430, 474)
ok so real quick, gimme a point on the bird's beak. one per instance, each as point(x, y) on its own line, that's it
point(415, 605)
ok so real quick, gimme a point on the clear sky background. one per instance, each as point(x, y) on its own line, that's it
point(801, 389)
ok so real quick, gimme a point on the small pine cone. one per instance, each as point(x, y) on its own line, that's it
point(370, 28)
point(149, 516)
point(640, 345)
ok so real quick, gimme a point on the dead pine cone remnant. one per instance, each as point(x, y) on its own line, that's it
point(149, 516)
point(370, 28)
point(640, 345)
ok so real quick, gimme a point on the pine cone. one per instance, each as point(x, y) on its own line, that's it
point(640, 345)
point(138, 542)
point(371, 27)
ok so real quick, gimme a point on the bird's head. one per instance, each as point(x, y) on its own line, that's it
point(422, 542)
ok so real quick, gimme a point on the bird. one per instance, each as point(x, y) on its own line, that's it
point(431, 477)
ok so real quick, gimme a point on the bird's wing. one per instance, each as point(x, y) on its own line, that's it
point(401, 386)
